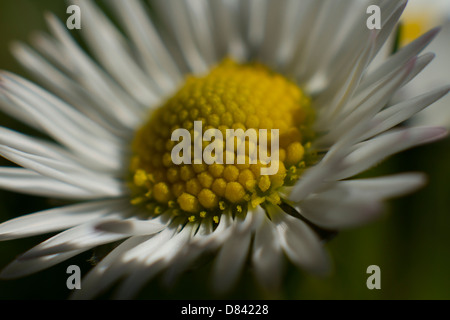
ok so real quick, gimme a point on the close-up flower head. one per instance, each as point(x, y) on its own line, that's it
point(224, 149)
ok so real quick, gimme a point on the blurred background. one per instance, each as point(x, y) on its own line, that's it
point(410, 243)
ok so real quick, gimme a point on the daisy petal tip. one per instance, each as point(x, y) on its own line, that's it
point(424, 135)
point(446, 89)
point(5, 234)
point(414, 182)
point(5, 237)
point(49, 16)
point(434, 32)
point(322, 268)
point(435, 134)
point(428, 57)
point(370, 213)
point(16, 46)
point(8, 273)
point(3, 276)
point(421, 179)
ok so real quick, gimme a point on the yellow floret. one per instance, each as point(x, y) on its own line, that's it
point(193, 186)
point(295, 153)
point(247, 179)
point(264, 183)
point(140, 178)
point(234, 192)
point(188, 203)
point(208, 199)
point(206, 180)
point(219, 186)
point(231, 173)
point(161, 192)
point(216, 170)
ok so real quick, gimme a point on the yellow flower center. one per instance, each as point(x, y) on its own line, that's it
point(232, 96)
point(416, 23)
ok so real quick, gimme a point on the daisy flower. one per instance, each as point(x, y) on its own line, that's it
point(300, 67)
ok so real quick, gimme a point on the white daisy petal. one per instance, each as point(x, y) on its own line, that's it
point(61, 122)
point(368, 153)
point(30, 182)
point(98, 279)
point(346, 214)
point(111, 50)
point(253, 14)
point(230, 262)
point(220, 234)
point(395, 62)
point(176, 13)
point(153, 263)
point(140, 252)
point(154, 53)
point(384, 187)
point(83, 237)
point(190, 253)
point(39, 147)
point(131, 262)
point(65, 87)
point(125, 109)
point(348, 204)
point(304, 16)
point(348, 160)
point(57, 219)
point(300, 243)
point(8, 107)
point(388, 25)
point(344, 91)
point(341, 63)
point(328, 19)
point(421, 63)
point(101, 185)
point(313, 179)
point(234, 251)
point(273, 30)
point(295, 17)
point(203, 26)
point(18, 268)
point(48, 103)
point(205, 240)
point(267, 256)
point(367, 103)
point(227, 30)
point(394, 115)
point(50, 48)
point(169, 250)
point(32, 145)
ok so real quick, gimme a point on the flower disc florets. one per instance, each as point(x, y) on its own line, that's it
point(232, 96)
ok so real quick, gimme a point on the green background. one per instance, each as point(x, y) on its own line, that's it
point(410, 242)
